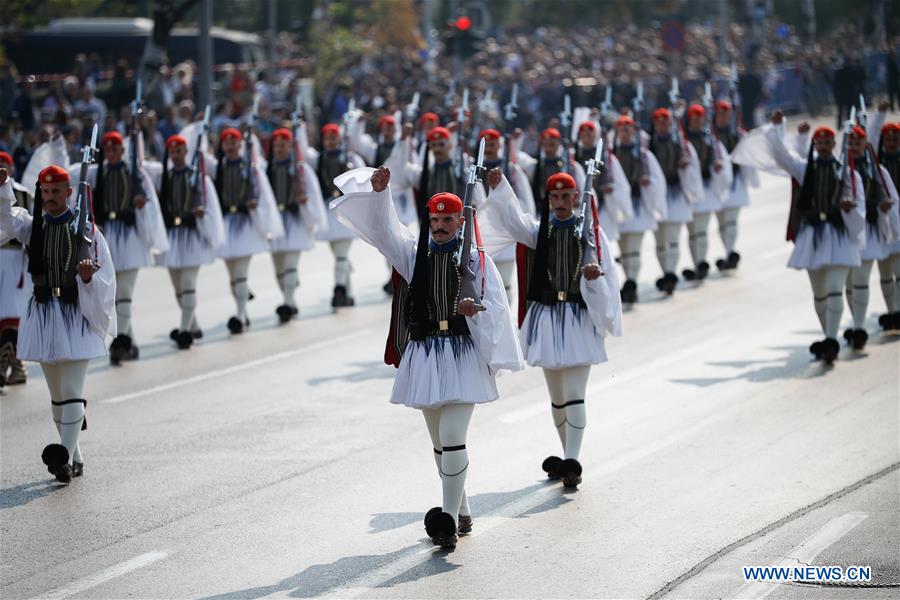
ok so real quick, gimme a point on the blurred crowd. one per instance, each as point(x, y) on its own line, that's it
point(547, 63)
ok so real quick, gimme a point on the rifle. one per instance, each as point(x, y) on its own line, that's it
point(84, 218)
point(137, 109)
point(509, 115)
point(467, 285)
point(709, 105)
point(198, 165)
point(295, 166)
point(412, 109)
point(450, 96)
point(460, 123)
point(607, 105)
point(637, 105)
point(345, 136)
point(481, 108)
point(248, 150)
point(862, 117)
point(590, 227)
point(674, 96)
point(732, 95)
point(846, 158)
point(565, 122)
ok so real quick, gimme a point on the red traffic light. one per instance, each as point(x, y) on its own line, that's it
point(463, 23)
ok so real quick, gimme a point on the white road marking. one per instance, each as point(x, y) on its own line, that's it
point(365, 583)
point(627, 375)
point(808, 550)
point(236, 368)
point(76, 587)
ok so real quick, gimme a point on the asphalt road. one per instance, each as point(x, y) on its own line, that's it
point(272, 465)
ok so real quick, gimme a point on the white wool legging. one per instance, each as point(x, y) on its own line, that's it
point(857, 291)
point(342, 267)
point(728, 228)
point(667, 246)
point(630, 245)
point(65, 381)
point(828, 286)
point(286, 264)
point(237, 273)
point(698, 237)
point(448, 426)
point(185, 283)
point(567, 389)
point(125, 281)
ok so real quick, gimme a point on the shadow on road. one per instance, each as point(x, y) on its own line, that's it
point(21, 495)
point(797, 364)
point(366, 370)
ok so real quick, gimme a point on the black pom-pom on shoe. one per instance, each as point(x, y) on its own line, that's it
point(722, 264)
point(733, 260)
point(428, 518)
point(830, 350)
point(443, 529)
point(848, 336)
point(570, 471)
point(56, 457)
point(173, 335)
point(197, 333)
point(551, 466)
point(235, 326)
point(285, 313)
point(702, 270)
point(817, 349)
point(860, 337)
point(184, 340)
point(689, 274)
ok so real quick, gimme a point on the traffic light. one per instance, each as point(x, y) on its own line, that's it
point(462, 40)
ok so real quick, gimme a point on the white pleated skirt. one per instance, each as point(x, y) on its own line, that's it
point(608, 224)
point(738, 196)
point(187, 248)
point(823, 246)
point(241, 237)
point(710, 202)
point(560, 335)
point(335, 230)
point(54, 332)
point(679, 208)
point(126, 248)
point(443, 370)
point(13, 298)
point(296, 236)
point(875, 248)
point(642, 220)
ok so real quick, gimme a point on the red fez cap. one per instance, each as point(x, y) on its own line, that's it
point(695, 110)
point(111, 137)
point(723, 105)
point(587, 125)
point(624, 120)
point(331, 128)
point(445, 204)
point(429, 117)
point(229, 133)
point(662, 113)
point(491, 134)
point(175, 140)
point(386, 120)
point(824, 132)
point(560, 181)
point(282, 132)
point(438, 133)
point(895, 127)
point(551, 132)
point(5, 157)
point(53, 174)
point(859, 132)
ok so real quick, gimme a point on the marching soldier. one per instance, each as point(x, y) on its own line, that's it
point(828, 222)
point(551, 160)
point(452, 345)
point(648, 200)
point(250, 216)
point(127, 210)
point(299, 200)
point(193, 220)
point(14, 287)
point(569, 302)
point(71, 309)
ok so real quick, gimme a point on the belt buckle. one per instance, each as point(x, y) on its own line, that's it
point(823, 217)
point(444, 325)
point(56, 292)
point(112, 215)
point(281, 206)
point(177, 221)
point(232, 209)
point(561, 296)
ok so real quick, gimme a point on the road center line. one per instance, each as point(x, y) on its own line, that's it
point(76, 587)
point(808, 550)
point(236, 368)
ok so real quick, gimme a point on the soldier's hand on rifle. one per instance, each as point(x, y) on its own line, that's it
point(684, 164)
point(467, 307)
point(140, 200)
point(517, 133)
point(452, 126)
point(495, 176)
point(252, 203)
point(717, 166)
point(592, 272)
point(3, 176)
point(408, 130)
point(301, 198)
point(803, 127)
point(199, 212)
point(885, 206)
point(847, 205)
point(883, 106)
point(607, 190)
point(777, 117)
point(645, 181)
point(380, 179)
point(86, 270)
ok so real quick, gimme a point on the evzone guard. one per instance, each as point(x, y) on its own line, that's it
point(15, 286)
point(72, 304)
point(193, 218)
point(299, 200)
point(568, 299)
point(684, 186)
point(455, 329)
point(330, 160)
point(886, 141)
point(126, 209)
point(249, 212)
point(648, 200)
point(827, 225)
